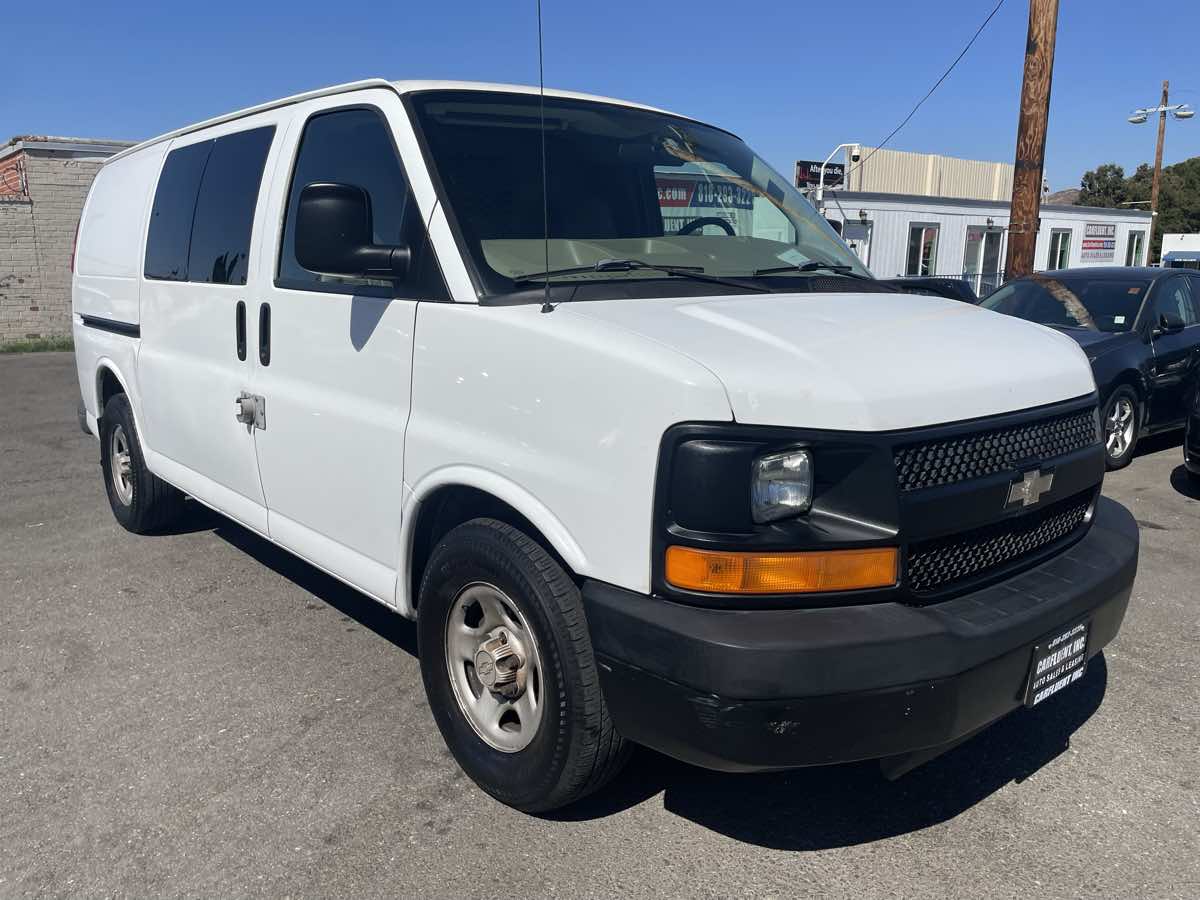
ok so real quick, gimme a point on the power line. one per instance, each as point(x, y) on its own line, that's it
point(921, 102)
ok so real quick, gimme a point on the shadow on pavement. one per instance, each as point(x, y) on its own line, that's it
point(346, 600)
point(838, 806)
point(1155, 443)
point(1185, 483)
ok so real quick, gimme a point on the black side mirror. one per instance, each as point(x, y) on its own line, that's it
point(334, 235)
point(1169, 323)
point(835, 224)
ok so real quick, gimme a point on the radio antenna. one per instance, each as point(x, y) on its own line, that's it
point(547, 306)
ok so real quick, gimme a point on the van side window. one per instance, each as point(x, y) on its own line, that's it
point(225, 207)
point(354, 146)
point(174, 206)
point(204, 209)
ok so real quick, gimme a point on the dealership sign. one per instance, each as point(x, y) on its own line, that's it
point(1099, 243)
point(808, 173)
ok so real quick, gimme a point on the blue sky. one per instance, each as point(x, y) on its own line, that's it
point(793, 79)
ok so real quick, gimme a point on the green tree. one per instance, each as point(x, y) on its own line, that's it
point(1178, 200)
point(1104, 186)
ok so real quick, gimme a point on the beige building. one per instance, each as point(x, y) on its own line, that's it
point(43, 183)
point(930, 175)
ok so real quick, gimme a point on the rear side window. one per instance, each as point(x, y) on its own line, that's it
point(174, 206)
point(354, 146)
point(225, 207)
point(204, 209)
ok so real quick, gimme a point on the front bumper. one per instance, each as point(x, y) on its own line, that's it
point(747, 690)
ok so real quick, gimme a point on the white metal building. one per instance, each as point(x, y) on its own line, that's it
point(909, 234)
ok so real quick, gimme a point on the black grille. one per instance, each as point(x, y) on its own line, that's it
point(981, 453)
point(937, 564)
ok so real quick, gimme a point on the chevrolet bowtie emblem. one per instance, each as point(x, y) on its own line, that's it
point(1029, 489)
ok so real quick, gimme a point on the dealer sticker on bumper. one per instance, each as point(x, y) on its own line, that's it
point(1057, 662)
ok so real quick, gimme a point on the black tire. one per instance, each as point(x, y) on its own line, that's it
point(1120, 460)
point(151, 502)
point(575, 749)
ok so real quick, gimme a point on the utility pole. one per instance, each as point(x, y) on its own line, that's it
point(1025, 212)
point(1154, 185)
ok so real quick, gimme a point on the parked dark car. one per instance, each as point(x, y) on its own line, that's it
point(1140, 328)
point(1191, 443)
point(951, 288)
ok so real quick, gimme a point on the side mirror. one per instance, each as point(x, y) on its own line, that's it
point(836, 225)
point(1169, 323)
point(334, 235)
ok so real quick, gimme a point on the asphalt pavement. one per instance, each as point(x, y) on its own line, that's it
point(198, 713)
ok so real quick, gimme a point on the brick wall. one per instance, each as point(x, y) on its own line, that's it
point(36, 238)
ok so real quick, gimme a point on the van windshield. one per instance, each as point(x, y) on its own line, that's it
point(623, 184)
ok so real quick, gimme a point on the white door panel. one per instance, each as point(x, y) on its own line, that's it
point(189, 375)
point(331, 457)
point(338, 380)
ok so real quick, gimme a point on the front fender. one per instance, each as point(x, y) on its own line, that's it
point(495, 485)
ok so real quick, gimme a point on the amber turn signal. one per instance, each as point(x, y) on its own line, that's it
point(721, 572)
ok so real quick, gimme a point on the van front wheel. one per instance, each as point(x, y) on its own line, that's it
point(509, 670)
point(140, 501)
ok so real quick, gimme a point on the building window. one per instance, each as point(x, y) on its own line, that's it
point(1133, 251)
point(1060, 249)
point(922, 249)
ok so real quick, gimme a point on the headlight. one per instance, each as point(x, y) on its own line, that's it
point(781, 485)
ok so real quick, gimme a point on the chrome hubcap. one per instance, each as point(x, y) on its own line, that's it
point(120, 465)
point(1118, 428)
point(494, 667)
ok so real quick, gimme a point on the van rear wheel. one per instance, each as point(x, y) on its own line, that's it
point(140, 501)
point(509, 670)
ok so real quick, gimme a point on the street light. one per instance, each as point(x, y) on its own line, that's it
point(854, 156)
point(1139, 117)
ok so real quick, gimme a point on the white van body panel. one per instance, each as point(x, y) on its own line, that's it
point(108, 253)
point(570, 409)
point(857, 361)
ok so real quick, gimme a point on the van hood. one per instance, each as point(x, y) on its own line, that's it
point(860, 362)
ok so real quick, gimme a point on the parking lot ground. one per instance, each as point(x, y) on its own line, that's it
point(199, 713)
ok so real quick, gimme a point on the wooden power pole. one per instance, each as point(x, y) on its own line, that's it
point(1025, 212)
point(1154, 185)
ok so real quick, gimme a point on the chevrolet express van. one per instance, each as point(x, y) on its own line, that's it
point(642, 447)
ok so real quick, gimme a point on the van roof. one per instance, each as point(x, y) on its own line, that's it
point(400, 87)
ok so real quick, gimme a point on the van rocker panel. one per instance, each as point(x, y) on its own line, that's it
point(746, 690)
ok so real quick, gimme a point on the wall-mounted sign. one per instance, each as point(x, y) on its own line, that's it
point(1099, 243)
point(808, 173)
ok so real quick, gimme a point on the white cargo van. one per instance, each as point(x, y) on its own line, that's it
point(653, 459)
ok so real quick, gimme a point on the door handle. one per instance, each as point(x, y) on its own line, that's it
point(251, 409)
point(264, 334)
point(240, 329)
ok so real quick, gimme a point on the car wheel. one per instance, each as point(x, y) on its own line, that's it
point(509, 670)
point(141, 501)
point(1120, 427)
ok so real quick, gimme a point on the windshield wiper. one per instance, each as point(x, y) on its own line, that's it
point(696, 273)
point(814, 266)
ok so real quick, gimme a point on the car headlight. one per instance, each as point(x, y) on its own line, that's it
point(781, 485)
